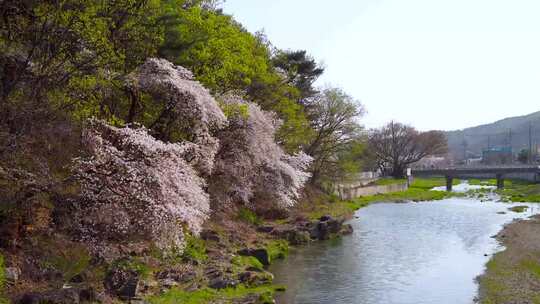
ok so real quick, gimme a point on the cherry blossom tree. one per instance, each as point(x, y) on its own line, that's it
point(251, 168)
point(137, 189)
point(188, 111)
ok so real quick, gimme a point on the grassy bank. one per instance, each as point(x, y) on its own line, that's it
point(513, 275)
point(520, 191)
point(261, 294)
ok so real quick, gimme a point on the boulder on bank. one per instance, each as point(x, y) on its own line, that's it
point(60, 296)
point(327, 226)
point(295, 235)
point(123, 283)
point(255, 278)
point(260, 254)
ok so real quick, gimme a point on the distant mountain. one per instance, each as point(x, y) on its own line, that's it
point(513, 132)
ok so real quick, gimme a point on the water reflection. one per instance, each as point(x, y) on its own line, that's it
point(400, 253)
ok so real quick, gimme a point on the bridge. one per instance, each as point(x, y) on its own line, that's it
point(532, 172)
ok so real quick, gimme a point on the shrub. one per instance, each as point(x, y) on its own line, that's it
point(195, 249)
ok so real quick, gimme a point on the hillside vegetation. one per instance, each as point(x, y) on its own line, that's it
point(143, 143)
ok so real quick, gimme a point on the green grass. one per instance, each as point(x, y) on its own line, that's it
point(518, 209)
point(3, 300)
point(389, 181)
point(248, 216)
point(412, 194)
point(277, 249)
point(134, 264)
point(247, 261)
point(206, 295)
point(519, 191)
point(500, 270)
point(195, 249)
point(430, 183)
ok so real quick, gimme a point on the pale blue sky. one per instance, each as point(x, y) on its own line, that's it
point(431, 63)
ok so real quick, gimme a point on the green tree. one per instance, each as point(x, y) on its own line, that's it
point(225, 58)
point(337, 143)
point(301, 70)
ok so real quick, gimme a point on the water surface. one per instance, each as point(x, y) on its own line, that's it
point(415, 253)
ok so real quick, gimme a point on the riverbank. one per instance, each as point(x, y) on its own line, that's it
point(227, 264)
point(319, 217)
point(513, 275)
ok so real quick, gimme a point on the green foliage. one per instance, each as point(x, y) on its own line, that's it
point(195, 249)
point(222, 54)
point(248, 216)
point(135, 264)
point(301, 70)
point(337, 141)
point(234, 110)
point(277, 249)
point(207, 295)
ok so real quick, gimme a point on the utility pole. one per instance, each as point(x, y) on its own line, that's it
point(530, 142)
point(464, 143)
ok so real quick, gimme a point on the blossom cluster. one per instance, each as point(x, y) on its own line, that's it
point(188, 106)
point(251, 167)
point(137, 188)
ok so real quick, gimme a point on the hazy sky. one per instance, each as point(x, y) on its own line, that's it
point(435, 64)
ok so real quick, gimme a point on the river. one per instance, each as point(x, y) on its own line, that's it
point(400, 253)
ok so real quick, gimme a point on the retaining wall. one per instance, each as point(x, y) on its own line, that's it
point(347, 192)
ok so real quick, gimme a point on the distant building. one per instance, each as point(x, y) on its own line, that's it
point(497, 156)
point(473, 161)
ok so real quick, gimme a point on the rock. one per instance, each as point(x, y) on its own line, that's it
point(320, 231)
point(260, 254)
point(346, 229)
point(12, 274)
point(325, 218)
point(265, 229)
point(176, 275)
point(60, 296)
point(123, 283)
point(210, 235)
point(296, 237)
point(252, 278)
point(212, 272)
point(78, 278)
point(221, 283)
point(325, 227)
point(168, 283)
point(87, 295)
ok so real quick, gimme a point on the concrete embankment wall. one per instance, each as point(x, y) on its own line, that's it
point(348, 192)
